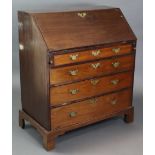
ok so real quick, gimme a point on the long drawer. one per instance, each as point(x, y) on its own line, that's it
point(79, 90)
point(78, 72)
point(92, 54)
point(91, 109)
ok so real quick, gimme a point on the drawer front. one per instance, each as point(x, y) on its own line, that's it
point(85, 111)
point(92, 54)
point(78, 72)
point(79, 90)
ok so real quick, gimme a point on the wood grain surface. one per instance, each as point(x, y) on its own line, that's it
point(68, 30)
point(34, 77)
point(62, 94)
point(86, 110)
point(62, 75)
point(90, 54)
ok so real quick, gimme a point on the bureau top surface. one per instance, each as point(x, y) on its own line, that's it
point(73, 29)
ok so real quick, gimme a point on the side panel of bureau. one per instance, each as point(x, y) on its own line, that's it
point(34, 71)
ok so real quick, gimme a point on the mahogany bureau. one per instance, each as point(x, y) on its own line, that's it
point(76, 68)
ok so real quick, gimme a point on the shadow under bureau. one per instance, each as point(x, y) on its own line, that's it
point(76, 68)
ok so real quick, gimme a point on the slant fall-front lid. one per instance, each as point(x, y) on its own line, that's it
point(63, 30)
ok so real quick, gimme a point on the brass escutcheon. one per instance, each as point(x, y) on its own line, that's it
point(115, 64)
point(72, 114)
point(116, 50)
point(73, 72)
point(94, 81)
point(95, 66)
point(115, 82)
point(74, 91)
point(82, 14)
point(96, 53)
point(73, 57)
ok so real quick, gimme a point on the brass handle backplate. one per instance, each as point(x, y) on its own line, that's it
point(116, 50)
point(94, 81)
point(82, 14)
point(73, 72)
point(74, 91)
point(95, 66)
point(72, 114)
point(115, 64)
point(93, 101)
point(115, 82)
point(74, 56)
point(96, 53)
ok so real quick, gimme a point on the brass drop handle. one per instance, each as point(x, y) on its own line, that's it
point(72, 114)
point(82, 14)
point(96, 53)
point(113, 102)
point(116, 50)
point(73, 57)
point(95, 66)
point(94, 81)
point(93, 101)
point(73, 72)
point(115, 64)
point(74, 91)
point(115, 82)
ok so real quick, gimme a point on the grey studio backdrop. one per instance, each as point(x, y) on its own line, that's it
point(112, 137)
